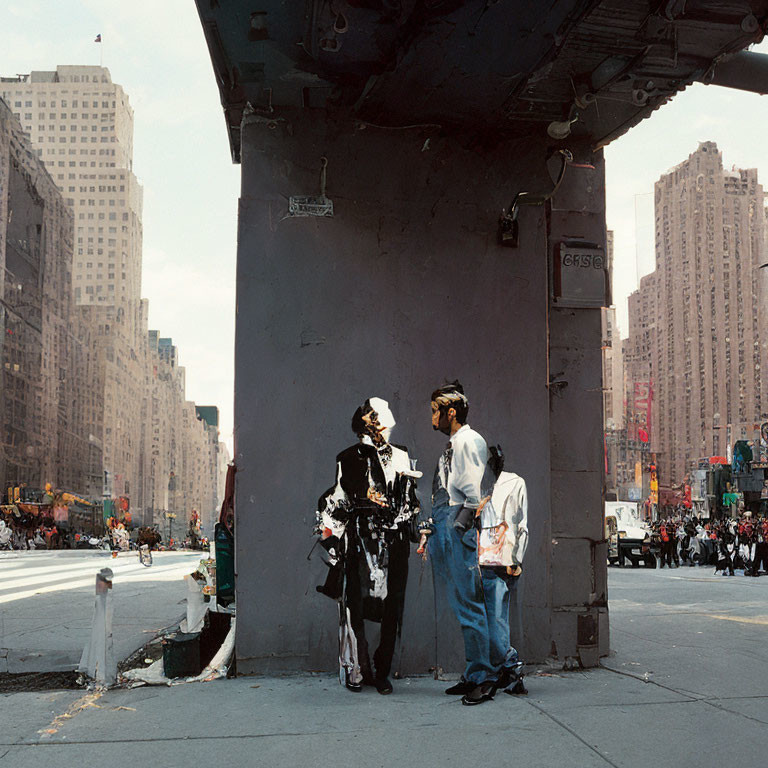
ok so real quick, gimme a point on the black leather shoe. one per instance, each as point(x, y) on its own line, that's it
point(350, 686)
point(509, 676)
point(461, 688)
point(384, 686)
point(505, 678)
point(479, 695)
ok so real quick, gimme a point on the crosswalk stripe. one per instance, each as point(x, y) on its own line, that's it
point(31, 580)
point(24, 564)
point(47, 579)
point(95, 567)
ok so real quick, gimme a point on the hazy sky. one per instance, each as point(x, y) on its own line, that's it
point(155, 49)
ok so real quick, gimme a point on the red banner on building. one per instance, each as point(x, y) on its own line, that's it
point(641, 407)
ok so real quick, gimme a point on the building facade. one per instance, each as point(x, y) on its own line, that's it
point(45, 366)
point(182, 474)
point(614, 434)
point(125, 427)
point(697, 342)
point(81, 126)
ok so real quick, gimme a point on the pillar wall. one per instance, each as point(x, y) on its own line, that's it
point(403, 288)
point(577, 460)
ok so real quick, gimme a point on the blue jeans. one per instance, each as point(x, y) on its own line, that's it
point(455, 565)
point(498, 588)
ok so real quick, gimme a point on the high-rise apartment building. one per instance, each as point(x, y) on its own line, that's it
point(91, 400)
point(81, 126)
point(45, 365)
point(612, 361)
point(208, 416)
point(697, 338)
point(613, 393)
point(182, 448)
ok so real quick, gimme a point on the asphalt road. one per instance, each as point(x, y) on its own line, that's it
point(691, 630)
point(46, 603)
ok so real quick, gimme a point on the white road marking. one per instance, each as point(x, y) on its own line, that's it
point(46, 579)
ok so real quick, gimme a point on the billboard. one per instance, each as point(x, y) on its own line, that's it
point(641, 409)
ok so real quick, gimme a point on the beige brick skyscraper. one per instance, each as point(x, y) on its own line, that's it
point(697, 332)
point(81, 125)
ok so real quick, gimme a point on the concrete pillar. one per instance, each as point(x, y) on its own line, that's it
point(404, 287)
point(579, 553)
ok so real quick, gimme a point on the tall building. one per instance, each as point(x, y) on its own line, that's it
point(208, 416)
point(183, 469)
point(81, 126)
point(611, 355)
point(45, 365)
point(697, 340)
point(91, 399)
point(613, 393)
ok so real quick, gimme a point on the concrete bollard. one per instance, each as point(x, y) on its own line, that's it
point(98, 659)
point(196, 607)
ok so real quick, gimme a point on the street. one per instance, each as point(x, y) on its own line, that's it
point(685, 684)
point(694, 632)
point(46, 603)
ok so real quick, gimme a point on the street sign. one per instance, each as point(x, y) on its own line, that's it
point(580, 275)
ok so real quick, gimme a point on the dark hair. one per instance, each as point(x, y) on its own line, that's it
point(358, 425)
point(452, 395)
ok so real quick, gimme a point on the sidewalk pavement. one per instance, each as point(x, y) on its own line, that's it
point(685, 685)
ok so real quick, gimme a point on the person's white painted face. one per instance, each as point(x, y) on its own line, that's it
point(380, 421)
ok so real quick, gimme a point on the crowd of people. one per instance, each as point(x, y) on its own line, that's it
point(22, 531)
point(728, 545)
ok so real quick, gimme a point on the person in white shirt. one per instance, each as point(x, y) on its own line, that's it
point(462, 479)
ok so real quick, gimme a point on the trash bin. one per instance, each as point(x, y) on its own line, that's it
point(214, 633)
point(225, 565)
point(181, 655)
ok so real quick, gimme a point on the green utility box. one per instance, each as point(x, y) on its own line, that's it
point(225, 565)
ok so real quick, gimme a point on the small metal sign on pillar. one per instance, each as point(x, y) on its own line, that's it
point(580, 275)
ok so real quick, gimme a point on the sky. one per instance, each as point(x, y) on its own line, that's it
point(157, 52)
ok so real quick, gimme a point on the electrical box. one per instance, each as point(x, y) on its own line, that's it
point(580, 275)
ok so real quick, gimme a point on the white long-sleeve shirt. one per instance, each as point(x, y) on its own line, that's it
point(462, 474)
point(508, 505)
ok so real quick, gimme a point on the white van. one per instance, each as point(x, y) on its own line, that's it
point(628, 536)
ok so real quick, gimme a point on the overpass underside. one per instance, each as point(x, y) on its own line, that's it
point(423, 200)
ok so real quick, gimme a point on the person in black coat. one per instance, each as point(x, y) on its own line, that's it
point(366, 522)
